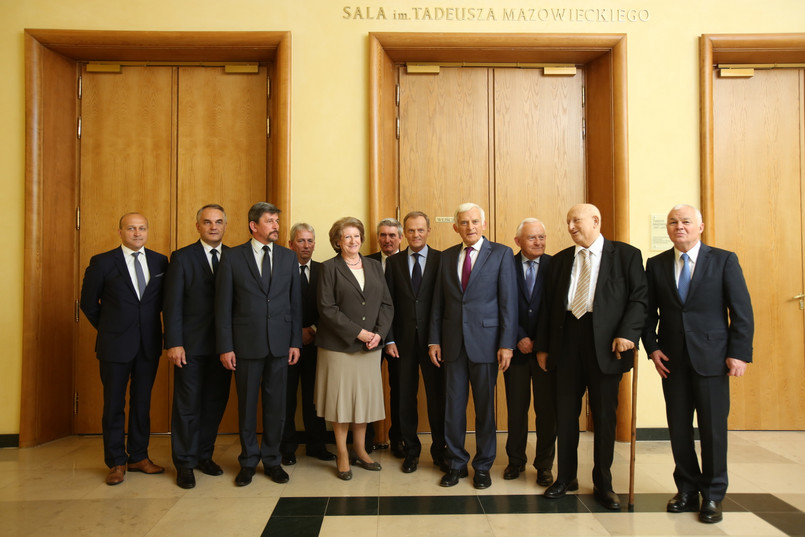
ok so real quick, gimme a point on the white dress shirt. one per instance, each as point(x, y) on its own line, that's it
point(257, 249)
point(594, 255)
point(130, 260)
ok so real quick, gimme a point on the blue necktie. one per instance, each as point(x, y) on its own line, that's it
point(416, 275)
point(138, 271)
point(684, 278)
point(530, 277)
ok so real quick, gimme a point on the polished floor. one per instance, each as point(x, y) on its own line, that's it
point(58, 489)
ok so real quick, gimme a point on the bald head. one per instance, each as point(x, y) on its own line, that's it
point(584, 224)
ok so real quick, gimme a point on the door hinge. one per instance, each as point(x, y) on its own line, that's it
point(268, 87)
point(398, 95)
point(75, 403)
point(398, 128)
point(583, 96)
point(583, 129)
point(268, 127)
point(77, 309)
point(78, 218)
point(79, 128)
point(80, 90)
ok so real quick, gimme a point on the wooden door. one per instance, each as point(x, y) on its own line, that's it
point(165, 141)
point(508, 139)
point(126, 165)
point(759, 175)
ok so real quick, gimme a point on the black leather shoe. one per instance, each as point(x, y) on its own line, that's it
point(277, 474)
point(185, 478)
point(379, 445)
point(710, 512)
point(450, 479)
point(482, 479)
point(244, 477)
point(322, 455)
point(544, 477)
point(209, 467)
point(607, 499)
point(289, 460)
point(439, 462)
point(683, 502)
point(410, 464)
point(512, 471)
point(398, 450)
point(560, 488)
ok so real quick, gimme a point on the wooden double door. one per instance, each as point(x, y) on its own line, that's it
point(164, 141)
point(511, 140)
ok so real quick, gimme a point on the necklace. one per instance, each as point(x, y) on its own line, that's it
point(352, 264)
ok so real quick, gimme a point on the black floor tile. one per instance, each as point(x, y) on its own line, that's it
point(430, 505)
point(593, 506)
point(792, 524)
point(647, 503)
point(729, 505)
point(532, 503)
point(353, 506)
point(762, 503)
point(302, 526)
point(295, 507)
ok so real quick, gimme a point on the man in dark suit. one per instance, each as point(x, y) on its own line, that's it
point(473, 330)
point(524, 374)
point(389, 237)
point(411, 275)
point(258, 325)
point(699, 296)
point(303, 243)
point(122, 298)
point(593, 313)
point(200, 381)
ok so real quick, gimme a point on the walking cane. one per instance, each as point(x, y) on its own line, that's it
point(634, 433)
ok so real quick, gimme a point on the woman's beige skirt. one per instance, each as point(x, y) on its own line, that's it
point(349, 388)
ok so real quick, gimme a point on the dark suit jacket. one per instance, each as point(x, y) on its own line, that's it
point(716, 320)
point(110, 302)
point(484, 317)
point(249, 320)
point(411, 312)
point(310, 307)
point(619, 304)
point(528, 306)
point(345, 309)
point(189, 303)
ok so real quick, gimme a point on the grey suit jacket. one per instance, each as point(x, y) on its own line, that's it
point(484, 317)
point(253, 321)
point(345, 309)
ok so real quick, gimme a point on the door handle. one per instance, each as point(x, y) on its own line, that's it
point(801, 298)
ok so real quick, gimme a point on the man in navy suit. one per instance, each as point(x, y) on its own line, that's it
point(699, 297)
point(589, 325)
point(200, 381)
point(411, 276)
point(258, 326)
point(122, 298)
point(524, 374)
point(473, 330)
point(303, 243)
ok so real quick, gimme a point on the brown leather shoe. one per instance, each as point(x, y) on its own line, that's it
point(116, 475)
point(145, 466)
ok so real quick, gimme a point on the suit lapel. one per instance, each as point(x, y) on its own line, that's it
point(667, 273)
point(251, 262)
point(701, 265)
point(483, 255)
point(518, 264)
point(201, 257)
point(120, 262)
point(607, 254)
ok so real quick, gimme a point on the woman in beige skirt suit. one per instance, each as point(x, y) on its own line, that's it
point(355, 313)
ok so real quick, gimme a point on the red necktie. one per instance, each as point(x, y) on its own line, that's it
point(466, 268)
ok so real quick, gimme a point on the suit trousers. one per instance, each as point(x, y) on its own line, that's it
point(303, 371)
point(576, 369)
point(524, 377)
point(138, 375)
point(686, 391)
point(460, 375)
point(433, 379)
point(265, 379)
point(200, 395)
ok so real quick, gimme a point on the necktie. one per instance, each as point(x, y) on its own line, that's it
point(266, 268)
point(138, 271)
point(684, 278)
point(466, 268)
point(416, 275)
point(303, 275)
point(579, 305)
point(214, 253)
point(530, 277)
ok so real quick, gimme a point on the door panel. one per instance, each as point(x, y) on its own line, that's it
point(758, 170)
point(125, 166)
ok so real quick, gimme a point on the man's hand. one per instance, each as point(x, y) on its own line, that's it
point(307, 335)
point(620, 345)
point(435, 353)
point(228, 360)
point(504, 358)
point(525, 345)
point(542, 360)
point(658, 357)
point(177, 356)
point(293, 355)
point(391, 350)
point(736, 367)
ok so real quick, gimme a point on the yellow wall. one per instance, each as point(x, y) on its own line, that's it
point(329, 106)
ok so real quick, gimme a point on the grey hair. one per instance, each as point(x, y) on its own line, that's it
point(464, 207)
point(302, 226)
point(528, 221)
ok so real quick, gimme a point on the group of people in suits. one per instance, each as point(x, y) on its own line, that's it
point(555, 326)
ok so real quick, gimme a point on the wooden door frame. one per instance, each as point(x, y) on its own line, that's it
point(732, 48)
point(603, 56)
point(50, 288)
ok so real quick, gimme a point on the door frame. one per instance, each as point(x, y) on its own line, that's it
point(50, 285)
point(732, 48)
point(603, 56)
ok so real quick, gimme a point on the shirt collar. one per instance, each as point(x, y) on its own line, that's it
point(128, 251)
point(693, 253)
point(595, 248)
